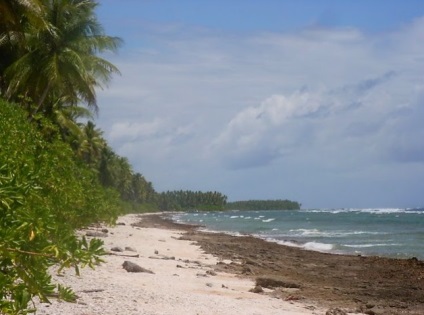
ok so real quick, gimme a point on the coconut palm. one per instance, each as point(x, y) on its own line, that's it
point(91, 144)
point(12, 12)
point(65, 118)
point(14, 15)
point(61, 61)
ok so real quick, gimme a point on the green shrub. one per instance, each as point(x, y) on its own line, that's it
point(45, 194)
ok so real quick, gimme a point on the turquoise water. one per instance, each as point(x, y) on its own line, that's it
point(384, 232)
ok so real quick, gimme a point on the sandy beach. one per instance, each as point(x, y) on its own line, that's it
point(183, 281)
point(355, 283)
point(203, 273)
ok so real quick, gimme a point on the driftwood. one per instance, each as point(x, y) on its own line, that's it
point(93, 290)
point(163, 257)
point(123, 255)
point(96, 234)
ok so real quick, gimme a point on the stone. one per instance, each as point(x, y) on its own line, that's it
point(116, 249)
point(257, 289)
point(132, 267)
point(335, 311)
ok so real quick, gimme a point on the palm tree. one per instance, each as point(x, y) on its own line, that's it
point(91, 144)
point(14, 15)
point(61, 62)
point(125, 173)
point(116, 172)
point(12, 12)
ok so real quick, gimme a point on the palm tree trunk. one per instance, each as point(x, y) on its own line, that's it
point(41, 100)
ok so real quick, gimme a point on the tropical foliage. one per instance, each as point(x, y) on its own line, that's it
point(184, 200)
point(278, 204)
point(45, 194)
point(49, 161)
point(57, 60)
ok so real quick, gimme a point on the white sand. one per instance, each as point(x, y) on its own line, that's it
point(170, 290)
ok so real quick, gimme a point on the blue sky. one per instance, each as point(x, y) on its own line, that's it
point(315, 101)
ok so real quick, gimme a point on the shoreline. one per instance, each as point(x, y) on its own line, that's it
point(184, 279)
point(302, 245)
point(371, 284)
point(313, 238)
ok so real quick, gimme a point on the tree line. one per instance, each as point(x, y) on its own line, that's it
point(185, 200)
point(278, 204)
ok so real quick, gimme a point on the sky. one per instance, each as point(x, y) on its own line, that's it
point(317, 101)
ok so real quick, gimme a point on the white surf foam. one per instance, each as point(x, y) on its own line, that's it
point(321, 247)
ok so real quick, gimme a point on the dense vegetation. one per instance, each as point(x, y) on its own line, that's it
point(190, 200)
point(263, 205)
point(56, 173)
point(45, 193)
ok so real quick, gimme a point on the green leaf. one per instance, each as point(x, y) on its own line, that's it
point(66, 294)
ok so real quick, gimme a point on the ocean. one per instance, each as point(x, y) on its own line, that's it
point(397, 233)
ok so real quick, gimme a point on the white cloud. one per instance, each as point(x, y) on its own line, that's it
point(198, 109)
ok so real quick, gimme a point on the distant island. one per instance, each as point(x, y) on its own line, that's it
point(278, 204)
point(187, 200)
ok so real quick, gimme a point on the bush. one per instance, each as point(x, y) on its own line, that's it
point(45, 194)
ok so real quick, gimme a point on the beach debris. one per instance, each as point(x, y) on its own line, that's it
point(271, 283)
point(133, 267)
point(253, 262)
point(257, 289)
point(367, 309)
point(123, 255)
point(95, 234)
point(163, 257)
point(93, 290)
point(335, 311)
point(156, 252)
point(116, 249)
point(247, 270)
point(201, 275)
point(294, 298)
